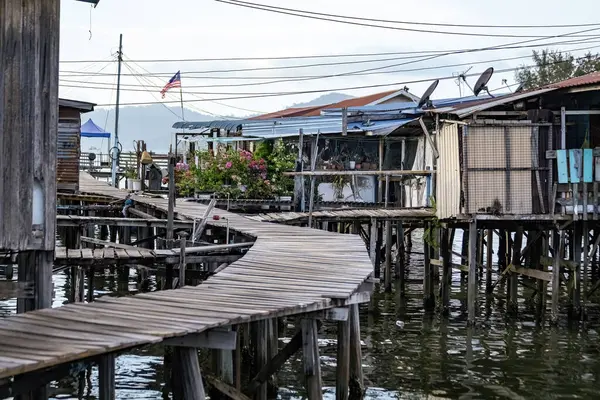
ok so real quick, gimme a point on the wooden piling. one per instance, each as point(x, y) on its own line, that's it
point(373, 245)
point(513, 282)
point(472, 283)
point(464, 253)
point(312, 362)
point(357, 386)
point(400, 250)
point(388, 256)
point(576, 273)
point(559, 248)
point(428, 293)
point(502, 249)
point(446, 284)
point(542, 286)
point(260, 354)
point(586, 265)
point(489, 261)
point(343, 360)
point(190, 376)
point(106, 377)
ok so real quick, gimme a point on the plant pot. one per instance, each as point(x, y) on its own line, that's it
point(134, 184)
point(352, 164)
point(358, 166)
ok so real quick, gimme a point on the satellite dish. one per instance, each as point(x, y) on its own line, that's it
point(91, 156)
point(425, 98)
point(483, 81)
point(520, 88)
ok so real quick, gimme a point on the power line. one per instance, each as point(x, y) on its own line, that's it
point(423, 57)
point(314, 15)
point(301, 57)
point(218, 103)
point(430, 23)
point(239, 96)
point(346, 74)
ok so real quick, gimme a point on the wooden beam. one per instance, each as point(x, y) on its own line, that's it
point(276, 362)
point(428, 136)
point(225, 388)
point(212, 339)
point(105, 243)
point(343, 360)
point(331, 314)
point(532, 273)
point(360, 173)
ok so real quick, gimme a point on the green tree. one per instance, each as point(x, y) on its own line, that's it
point(554, 66)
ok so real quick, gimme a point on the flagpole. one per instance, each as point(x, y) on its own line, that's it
point(182, 115)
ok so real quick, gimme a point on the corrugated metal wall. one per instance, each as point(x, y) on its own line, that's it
point(498, 162)
point(68, 147)
point(448, 183)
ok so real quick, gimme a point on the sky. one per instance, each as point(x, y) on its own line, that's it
point(207, 29)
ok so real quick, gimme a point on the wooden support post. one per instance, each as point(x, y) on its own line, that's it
point(261, 354)
point(343, 360)
point(576, 258)
point(428, 294)
point(586, 264)
point(312, 362)
point(472, 285)
point(513, 278)
point(400, 250)
point(106, 377)
point(182, 264)
point(373, 246)
point(542, 251)
point(488, 270)
point(357, 385)
point(559, 248)
point(464, 254)
point(502, 250)
point(446, 285)
point(36, 267)
point(388, 256)
point(224, 363)
point(190, 376)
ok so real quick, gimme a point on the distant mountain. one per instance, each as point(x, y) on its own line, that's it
point(153, 123)
point(149, 123)
point(325, 99)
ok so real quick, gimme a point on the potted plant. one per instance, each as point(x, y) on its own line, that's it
point(133, 183)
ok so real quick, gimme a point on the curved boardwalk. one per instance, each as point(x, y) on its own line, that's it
point(288, 270)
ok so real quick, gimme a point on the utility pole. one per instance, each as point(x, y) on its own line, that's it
point(115, 149)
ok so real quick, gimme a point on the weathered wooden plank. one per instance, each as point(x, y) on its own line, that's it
point(213, 339)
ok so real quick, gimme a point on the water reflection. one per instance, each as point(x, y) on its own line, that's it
point(427, 357)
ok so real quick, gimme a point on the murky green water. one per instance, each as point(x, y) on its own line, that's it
point(429, 358)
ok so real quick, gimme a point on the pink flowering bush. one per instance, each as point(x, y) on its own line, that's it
point(239, 174)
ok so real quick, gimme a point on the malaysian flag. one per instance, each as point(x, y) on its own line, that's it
point(174, 82)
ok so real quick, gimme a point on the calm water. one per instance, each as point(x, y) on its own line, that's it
point(429, 358)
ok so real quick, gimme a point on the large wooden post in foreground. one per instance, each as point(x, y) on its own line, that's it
point(29, 40)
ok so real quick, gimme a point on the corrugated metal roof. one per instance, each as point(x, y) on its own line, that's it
point(289, 127)
point(288, 112)
point(82, 106)
point(589, 79)
point(464, 110)
point(230, 125)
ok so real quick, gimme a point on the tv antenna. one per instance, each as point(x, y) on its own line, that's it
point(425, 99)
point(460, 77)
point(520, 88)
point(482, 82)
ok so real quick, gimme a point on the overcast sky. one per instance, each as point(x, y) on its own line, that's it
point(199, 29)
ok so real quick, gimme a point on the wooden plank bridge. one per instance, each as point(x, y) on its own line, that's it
point(288, 270)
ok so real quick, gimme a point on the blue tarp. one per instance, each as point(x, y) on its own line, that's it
point(90, 129)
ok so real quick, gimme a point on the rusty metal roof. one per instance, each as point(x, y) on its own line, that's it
point(589, 79)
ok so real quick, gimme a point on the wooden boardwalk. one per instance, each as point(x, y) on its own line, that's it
point(289, 270)
point(404, 214)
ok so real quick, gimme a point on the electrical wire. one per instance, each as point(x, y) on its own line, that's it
point(321, 17)
point(275, 58)
point(189, 75)
point(428, 23)
point(239, 96)
point(352, 73)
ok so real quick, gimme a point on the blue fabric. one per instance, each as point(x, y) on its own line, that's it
point(90, 129)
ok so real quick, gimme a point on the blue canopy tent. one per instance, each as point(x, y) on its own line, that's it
point(91, 130)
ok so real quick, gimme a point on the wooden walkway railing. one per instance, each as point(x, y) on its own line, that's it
point(289, 270)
